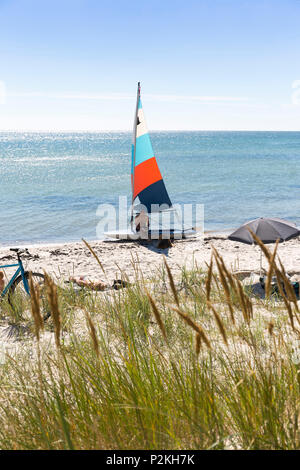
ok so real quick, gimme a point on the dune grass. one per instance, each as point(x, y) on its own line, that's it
point(192, 361)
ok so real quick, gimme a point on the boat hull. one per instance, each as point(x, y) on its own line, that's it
point(153, 234)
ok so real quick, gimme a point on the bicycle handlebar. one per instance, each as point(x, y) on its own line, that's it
point(20, 251)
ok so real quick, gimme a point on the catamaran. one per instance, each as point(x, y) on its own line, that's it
point(148, 186)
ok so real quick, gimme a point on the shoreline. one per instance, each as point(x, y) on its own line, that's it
point(207, 233)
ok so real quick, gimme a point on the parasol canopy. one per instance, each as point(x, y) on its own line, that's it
point(267, 229)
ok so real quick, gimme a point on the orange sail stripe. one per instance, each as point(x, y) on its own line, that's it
point(145, 174)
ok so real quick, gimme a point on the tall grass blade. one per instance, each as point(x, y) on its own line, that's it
point(172, 283)
point(94, 254)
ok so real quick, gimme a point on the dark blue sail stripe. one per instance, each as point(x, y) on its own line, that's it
point(156, 194)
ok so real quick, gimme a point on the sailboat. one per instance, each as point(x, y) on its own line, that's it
point(147, 184)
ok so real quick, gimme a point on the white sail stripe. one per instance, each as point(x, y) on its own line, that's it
point(142, 127)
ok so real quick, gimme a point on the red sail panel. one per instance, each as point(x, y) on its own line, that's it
point(146, 173)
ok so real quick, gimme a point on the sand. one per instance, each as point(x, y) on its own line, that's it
point(74, 259)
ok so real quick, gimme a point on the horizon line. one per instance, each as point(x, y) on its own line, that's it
point(85, 131)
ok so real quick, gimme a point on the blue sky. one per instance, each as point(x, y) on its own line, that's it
point(203, 64)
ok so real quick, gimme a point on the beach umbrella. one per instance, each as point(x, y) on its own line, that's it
point(269, 230)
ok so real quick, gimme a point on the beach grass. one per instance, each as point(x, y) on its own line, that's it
point(192, 361)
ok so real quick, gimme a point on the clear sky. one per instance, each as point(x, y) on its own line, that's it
point(203, 64)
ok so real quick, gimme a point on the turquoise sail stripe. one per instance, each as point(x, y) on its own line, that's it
point(140, 104)
point(143, 150)
point(132, 158)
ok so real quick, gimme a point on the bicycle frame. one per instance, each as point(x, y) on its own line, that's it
point(21, 271)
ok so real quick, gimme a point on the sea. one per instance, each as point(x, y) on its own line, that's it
point(52, 184)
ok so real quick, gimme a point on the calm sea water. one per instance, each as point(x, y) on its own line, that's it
point(52, 184)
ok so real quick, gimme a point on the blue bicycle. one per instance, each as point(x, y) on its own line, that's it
point(17, 289)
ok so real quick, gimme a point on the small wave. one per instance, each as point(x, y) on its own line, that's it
point(75, 158)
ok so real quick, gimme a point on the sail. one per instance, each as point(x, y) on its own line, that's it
point(147, 182)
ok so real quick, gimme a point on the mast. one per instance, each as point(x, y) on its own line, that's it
point(134, 144)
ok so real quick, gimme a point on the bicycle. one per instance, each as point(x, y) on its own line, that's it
point(17, 289)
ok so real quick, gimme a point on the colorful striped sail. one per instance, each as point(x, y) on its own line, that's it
point(147, 182)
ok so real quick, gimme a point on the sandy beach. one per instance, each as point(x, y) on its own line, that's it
point(74, 259)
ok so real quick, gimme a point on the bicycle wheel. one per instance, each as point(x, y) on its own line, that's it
point(19, 300)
